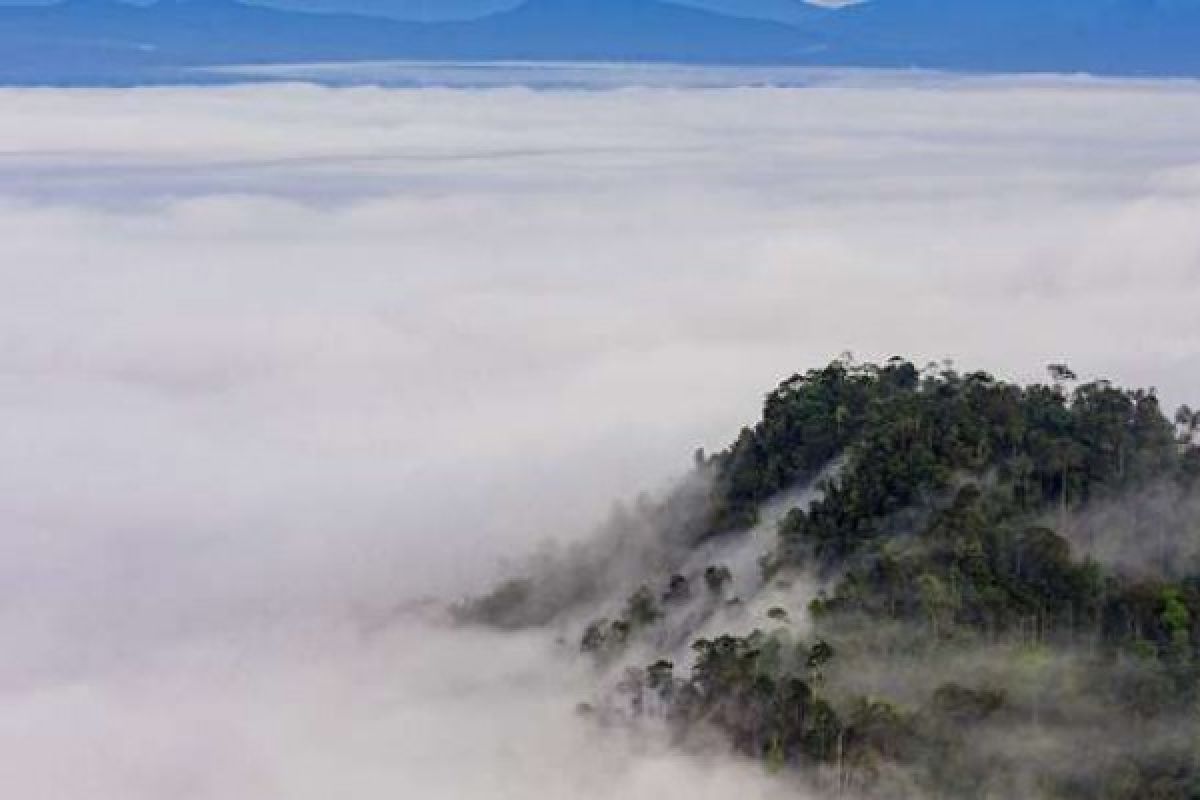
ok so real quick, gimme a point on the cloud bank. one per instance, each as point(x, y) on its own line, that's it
point(276, 360)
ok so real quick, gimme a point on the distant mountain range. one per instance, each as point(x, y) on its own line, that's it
point(104, 41)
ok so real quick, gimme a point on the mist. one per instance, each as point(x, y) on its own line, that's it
point(279, 362)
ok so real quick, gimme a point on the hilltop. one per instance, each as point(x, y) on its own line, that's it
point(911, 583)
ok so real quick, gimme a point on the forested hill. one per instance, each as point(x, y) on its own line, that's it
point(911, 583)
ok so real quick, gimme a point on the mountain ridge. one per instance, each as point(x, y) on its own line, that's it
point(100, 40)
point(83, 39)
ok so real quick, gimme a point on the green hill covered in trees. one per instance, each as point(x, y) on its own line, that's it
point(981, 590)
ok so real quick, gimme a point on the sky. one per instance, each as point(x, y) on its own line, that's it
point(277, 360)
point(783, 10)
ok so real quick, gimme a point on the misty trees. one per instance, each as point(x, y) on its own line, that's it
point(717, 578)
point(1061, 374)
point(961, 461)
point(604, 637)
point(678, 591)
point(941, 534)
point(1188, 422)
point(641, 610)
point(503, 607)
point(806, 421)
point(937, 602)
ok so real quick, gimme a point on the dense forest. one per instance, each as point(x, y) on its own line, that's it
point(909, 582)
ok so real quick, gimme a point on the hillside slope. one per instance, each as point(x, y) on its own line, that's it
point(912, 584)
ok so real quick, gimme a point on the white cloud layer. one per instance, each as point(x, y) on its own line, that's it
point(276, 357)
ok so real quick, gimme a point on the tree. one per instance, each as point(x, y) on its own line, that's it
point(1060, 374)
point(678, 591)
point(640, 609)
point(937, 515)
point(937, 602)
point(717, 578)
point(1176, 618)
point(1188, 422)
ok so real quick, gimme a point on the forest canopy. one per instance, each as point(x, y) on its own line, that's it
point(984, 589)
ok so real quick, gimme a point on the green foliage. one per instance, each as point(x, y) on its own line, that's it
point(942, 519)
point(606, 638)
point(641, 610)
point(1175, 614)
point(806, 422)
point(960, 704)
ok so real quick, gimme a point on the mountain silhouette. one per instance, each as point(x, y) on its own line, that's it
point(108, 41)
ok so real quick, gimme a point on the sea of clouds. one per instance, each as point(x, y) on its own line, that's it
point(278, 360)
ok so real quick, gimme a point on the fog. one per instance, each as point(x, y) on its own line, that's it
point(276, 361)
